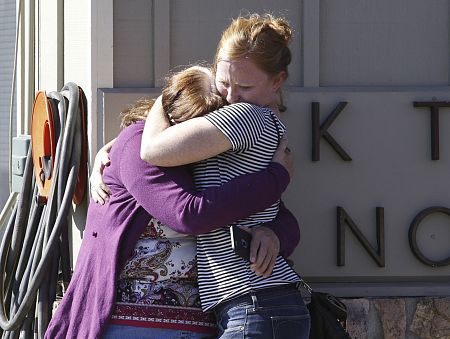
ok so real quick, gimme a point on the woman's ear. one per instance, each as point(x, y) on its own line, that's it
point(278, 80)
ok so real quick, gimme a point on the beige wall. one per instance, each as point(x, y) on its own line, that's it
point(379, 56)
point(384, 43)
point(185, 31)
point(7, 27)
point(359, 43)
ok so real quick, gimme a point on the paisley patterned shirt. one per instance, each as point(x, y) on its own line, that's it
point(158, 285)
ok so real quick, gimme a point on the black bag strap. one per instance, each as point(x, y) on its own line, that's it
point(335, 305)
point(305, 285)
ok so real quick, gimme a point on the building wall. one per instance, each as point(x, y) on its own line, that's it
point(186, 31)
point(359, 43)
point(377, 57)
point(384, 43)
point(7, 38)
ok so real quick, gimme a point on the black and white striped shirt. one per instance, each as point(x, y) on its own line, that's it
point(254, 133)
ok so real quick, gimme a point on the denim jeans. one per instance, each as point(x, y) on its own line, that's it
point(277, 312)
point(134, 332)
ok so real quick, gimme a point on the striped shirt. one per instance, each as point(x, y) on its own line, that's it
point(254, 133)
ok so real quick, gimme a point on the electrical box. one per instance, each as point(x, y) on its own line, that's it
point(20, 146)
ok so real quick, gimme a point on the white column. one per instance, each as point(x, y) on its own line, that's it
point(161, 40)
point(50, 46)
point(88, 61)
point(25, 67)
point(311, 43)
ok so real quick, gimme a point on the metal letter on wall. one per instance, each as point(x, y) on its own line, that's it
point(343, 218)
point(321, 130)
point(413, 236)
point(434, 122)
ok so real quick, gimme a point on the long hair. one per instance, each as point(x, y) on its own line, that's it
point(187, 94)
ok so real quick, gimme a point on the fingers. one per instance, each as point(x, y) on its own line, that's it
point(283, 156)
point(266, 269)
point(261, 254)
point(264, 250)
point(100, 193)
point(104, 160)
point(97, 198)
point(282, 146)
point(283, 143)
point(105, 189)
point(270, 267)
point(265, 263)
point(102, 157)
point(254, 246)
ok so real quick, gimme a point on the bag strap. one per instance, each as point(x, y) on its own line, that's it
point(300, 283)
point(305, 285)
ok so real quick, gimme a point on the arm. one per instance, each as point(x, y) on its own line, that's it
point(185, 143)
point(277, 237)
point(99, 191)
point(169, 193)
point(286, 228)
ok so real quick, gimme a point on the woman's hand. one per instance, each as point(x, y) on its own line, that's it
point(264, 249)
point(99, 191)
point(283, 156)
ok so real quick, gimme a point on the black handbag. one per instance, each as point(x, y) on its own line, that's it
point(328, 316)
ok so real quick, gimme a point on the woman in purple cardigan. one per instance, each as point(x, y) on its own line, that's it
point(136, 277)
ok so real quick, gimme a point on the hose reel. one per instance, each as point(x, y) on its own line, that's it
point(45, 132)
point(34, 252)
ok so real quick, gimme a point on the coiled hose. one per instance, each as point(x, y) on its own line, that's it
point(34, 249)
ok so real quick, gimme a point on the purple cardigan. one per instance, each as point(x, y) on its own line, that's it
point(113, 229)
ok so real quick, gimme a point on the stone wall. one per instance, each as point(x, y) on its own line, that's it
point(398, 318)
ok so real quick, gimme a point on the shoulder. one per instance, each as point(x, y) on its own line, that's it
point(242, 113)
point(132, 131)
point(245, 108)
point(243, 124)
point(128, 142)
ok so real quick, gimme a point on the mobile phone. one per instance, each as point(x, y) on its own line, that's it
point(240, 242)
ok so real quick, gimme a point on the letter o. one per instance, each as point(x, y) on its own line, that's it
point(413, 234)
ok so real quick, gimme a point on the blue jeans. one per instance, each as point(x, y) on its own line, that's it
point(277, 312)
point(135, 332)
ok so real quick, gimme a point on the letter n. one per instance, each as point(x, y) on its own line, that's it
point(344, 219)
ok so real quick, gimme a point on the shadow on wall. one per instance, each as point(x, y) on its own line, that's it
point(4, 194)
point(4, 189)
